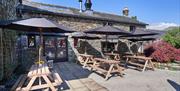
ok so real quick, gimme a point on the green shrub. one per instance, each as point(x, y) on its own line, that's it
point(173, 37)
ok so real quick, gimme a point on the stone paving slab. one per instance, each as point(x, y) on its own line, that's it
point(86, 80)
point(82, 89)
point(94, 86)
point(76, 84)
point(76, 78)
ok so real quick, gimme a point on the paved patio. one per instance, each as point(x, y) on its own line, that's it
point(79, 79)
point(76, 78)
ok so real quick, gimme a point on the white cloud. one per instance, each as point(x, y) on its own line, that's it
point(162, 26)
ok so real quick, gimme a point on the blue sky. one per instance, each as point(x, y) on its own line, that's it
point(149, 11)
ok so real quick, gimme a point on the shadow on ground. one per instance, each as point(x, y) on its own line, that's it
point(70, 72)
point(174, 84)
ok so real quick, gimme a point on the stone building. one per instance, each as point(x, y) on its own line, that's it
point(75, 19)
point(8, 61)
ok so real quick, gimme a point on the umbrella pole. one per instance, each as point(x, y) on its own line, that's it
point(142, 47)
point(129, 46)
point(40, 47)
point(106, 44)
point(85, 47)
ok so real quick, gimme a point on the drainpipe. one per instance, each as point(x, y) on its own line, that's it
point(20, 9)
point(2, 61)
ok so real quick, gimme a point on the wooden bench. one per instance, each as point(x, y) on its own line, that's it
point(146, 60)
point(86, 59)
point(40, 74)
point(112, 67)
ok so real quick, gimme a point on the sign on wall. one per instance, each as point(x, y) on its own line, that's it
point(31, 41)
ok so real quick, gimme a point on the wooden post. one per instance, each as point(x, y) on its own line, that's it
point(144, 68)
point(86, 61)
point(109, 71)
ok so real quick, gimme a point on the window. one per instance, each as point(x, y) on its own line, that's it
point(107, 23)
point(132, 28)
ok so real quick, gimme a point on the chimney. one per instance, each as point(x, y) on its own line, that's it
point(88, 4)
point(20, 1)
point(125, 11)
point(80, 6)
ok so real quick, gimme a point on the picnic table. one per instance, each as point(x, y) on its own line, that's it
point(40, 74)
point(128, 53)
point(115, 56)
point(107, 67)
point(147, 62)
point(85, 59)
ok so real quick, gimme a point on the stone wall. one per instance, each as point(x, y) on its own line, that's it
point(127, 26)
point(8, 60)
point(72, 23)
point(8, 10)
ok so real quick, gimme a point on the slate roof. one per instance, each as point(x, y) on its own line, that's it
point(156, 36)
point(35, 7)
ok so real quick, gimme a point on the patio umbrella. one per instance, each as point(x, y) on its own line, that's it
point(82, 35)
point(140, 33)
point(107, 30)
point(140, 39)
point(39, 25)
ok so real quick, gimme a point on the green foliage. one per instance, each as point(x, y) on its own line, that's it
point(173, 37)
point(134, 17)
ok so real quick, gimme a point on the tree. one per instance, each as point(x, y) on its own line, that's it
point(173, 37)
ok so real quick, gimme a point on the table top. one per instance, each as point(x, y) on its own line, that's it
point(85, 55)
point(114, 54)
point(128, 53)
point(38, 70)
point(107, 61)
point(139, 57)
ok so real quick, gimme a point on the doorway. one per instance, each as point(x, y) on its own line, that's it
point(55, 48)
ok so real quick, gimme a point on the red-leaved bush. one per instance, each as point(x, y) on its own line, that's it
point(177, 55)
point(162, 52)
